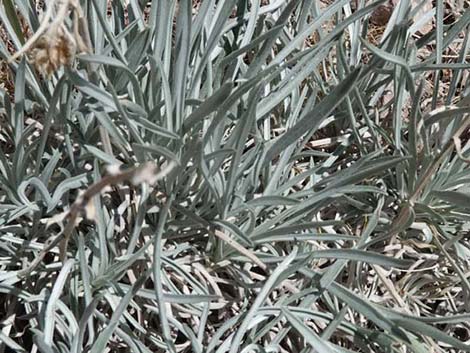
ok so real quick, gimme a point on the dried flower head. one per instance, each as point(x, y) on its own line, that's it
point(53, 50)
point(54, 44)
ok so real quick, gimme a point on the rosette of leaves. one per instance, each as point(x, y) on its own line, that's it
point(319, 195)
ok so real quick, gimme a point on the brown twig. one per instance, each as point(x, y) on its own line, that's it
point(145, 173)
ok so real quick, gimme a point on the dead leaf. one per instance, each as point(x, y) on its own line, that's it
point(422, 14)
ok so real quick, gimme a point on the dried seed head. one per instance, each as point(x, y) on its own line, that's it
point(54, 49)
point(53, 45)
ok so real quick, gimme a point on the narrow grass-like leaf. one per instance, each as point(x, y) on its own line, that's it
point(270, 282)
point(313, 119)
point(455, 198)
point(4, 339)
point(52, 302)
point(350, 254)
point(105, 335)
point(309, 335)
point(272, 201)
point(209, 105)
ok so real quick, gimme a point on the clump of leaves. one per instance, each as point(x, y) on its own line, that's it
point(310, 188)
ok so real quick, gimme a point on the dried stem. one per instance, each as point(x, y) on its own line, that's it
point(144, 173)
